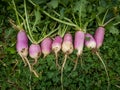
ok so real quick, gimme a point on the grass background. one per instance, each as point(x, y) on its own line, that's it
point(91, 75)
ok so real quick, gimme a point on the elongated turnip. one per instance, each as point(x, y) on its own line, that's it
point(22, 48)
point(78, 45)
point(22, 45)
point(34, 52)
point(90, 41)
point(46, 46)
point(67, 48)
point(99, 36)
point(56, 46)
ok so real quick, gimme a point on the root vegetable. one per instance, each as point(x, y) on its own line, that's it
point(56, 47)
point(34, 52)
point(46, 46)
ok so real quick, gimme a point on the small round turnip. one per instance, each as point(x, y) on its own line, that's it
point(34, 52)
point(56, 47)
point(90, 41)
point(46, 46)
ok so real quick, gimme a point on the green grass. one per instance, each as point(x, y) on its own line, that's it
point(90, 75)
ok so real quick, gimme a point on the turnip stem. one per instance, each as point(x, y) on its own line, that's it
point(105, 69)
point(27, 22)
point(104, 17)
point(67, 19)
point(56, 19)
point(116, 23)
point(80, 16)
point(117, 86)
point(74, 19)
point(32, 2)
point(18, 20)
point(14, 26)
point(109, 21)
point(47, 35)
point(62, 70)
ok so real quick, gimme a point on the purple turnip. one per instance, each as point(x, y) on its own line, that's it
point(46, 46)
point(67, 45)
point(90, 41)
point(22, 48)
point(78, 45)
point(67, 48)
point(22, 45)
point(99, 36)
point(56, 47)
point(34, 52)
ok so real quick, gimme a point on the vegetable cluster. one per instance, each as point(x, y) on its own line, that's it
point(59, 38)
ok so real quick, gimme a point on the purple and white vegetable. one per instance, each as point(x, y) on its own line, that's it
point(56, 47)
point(22, 45)
point(67, 45)
point(35, 52)
point(67, 48)
point(46, 46)
point(99, 36)
point(78, 45)
point(90, 41)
